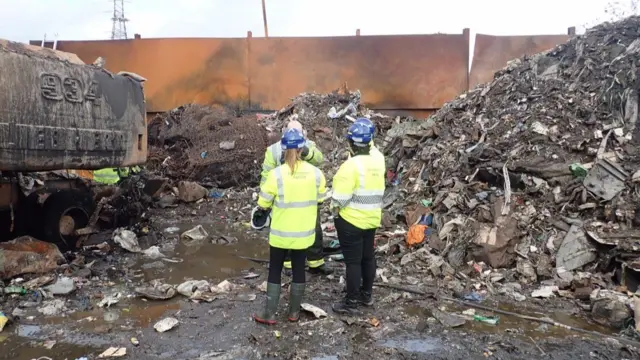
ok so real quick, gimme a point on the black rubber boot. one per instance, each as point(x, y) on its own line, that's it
point(365, 298)
point(268, 317)
point(295, 299)
point(347, 307)
point(321, 270)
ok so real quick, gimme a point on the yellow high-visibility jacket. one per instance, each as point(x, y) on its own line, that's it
point(294, 201)
point(358, 189)
point(376, 153)
point(125, 172)
point(273, 158)
point(106, 176)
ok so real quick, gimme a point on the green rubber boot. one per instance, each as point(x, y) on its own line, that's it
point(295, 299)
point(268, 317)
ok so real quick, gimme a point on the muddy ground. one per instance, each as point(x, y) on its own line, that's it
point(223, 329)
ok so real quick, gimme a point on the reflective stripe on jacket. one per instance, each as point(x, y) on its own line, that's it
point(294, 202)
point(358, 189)
point(108, 176)
point(376, 153)
point(273, 158)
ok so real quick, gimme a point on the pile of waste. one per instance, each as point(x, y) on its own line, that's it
point(214, 146)
point(535, 171)
point(206, 144)
point(326, 118)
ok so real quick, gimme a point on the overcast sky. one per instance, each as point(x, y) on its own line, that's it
point(24, 20)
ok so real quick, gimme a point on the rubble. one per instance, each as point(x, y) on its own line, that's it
point(189, 191)
point(166, 324)
point(325, 118)
point(533, 170)
point(610, 308)
point(193, 142)
point(214, 146)
point(26, 255)
point(518, 190)
point(62, 286)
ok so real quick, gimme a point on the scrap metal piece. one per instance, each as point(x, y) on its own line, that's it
point(606, 179)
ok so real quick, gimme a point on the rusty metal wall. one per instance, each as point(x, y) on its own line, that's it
point(492, 53)
point(409, 74)
point(393, 72)
point(178, 71)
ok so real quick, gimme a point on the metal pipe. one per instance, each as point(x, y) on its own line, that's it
point(264, 17)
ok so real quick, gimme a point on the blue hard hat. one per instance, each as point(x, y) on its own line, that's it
point(292, 139)
point(360, 134)
point(366, 122)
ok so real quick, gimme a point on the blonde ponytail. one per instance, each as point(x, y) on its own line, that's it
point(291, 157)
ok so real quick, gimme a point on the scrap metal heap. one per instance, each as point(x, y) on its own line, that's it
point(536, 171)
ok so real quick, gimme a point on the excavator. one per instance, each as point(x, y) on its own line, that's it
point(61, 119)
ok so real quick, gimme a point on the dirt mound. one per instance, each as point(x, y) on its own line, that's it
point(535, 159)
point(210, 145)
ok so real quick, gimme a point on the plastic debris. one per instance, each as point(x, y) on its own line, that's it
point(127, 239)
point(196, 234)
point(491, 320)
point(113, 352)
point(3, 320)
point(166, 324)
point(62, 286)
point(316, 311)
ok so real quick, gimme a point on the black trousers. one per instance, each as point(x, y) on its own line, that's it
point(276, 262)
point(357, 248)
point(315, 253)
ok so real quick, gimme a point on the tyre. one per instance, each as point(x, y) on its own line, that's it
point(64, 212)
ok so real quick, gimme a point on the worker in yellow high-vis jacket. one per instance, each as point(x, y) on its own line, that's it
point(106, 176)
point(310, 153)
point(358, 189)
point(292, 191)
point(112, 176)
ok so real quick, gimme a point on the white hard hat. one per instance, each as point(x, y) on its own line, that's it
point(260, 226)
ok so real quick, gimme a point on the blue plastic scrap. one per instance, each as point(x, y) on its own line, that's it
point(474, 296)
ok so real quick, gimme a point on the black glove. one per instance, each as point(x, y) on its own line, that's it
point(305, 151)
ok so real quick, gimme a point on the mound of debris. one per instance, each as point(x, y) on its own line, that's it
point(537, 169)
point(326, 118)
point(214, 146)
point(207, 144)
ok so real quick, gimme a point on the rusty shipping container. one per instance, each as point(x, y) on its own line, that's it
point(58, 113)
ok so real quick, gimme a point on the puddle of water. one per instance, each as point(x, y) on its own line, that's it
point(138, 313)
point(423, 346)
point(204, 260)
point(26, 342)
point(507, 323)
point(24, 349)
point(28, 330)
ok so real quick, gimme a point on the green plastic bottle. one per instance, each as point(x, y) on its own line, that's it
point(493, 320)
point(15, 290)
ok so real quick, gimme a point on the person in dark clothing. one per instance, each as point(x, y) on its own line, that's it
point(358, 188)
